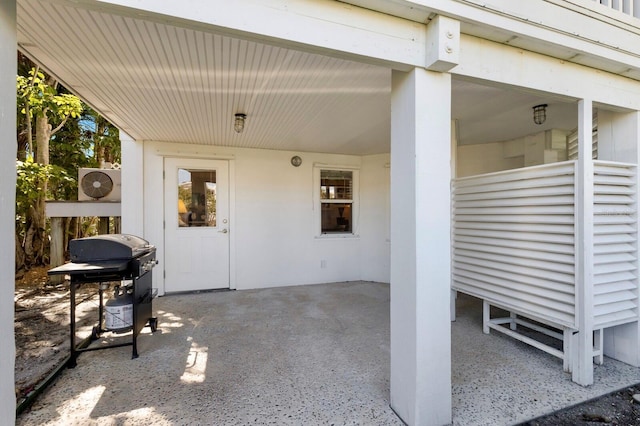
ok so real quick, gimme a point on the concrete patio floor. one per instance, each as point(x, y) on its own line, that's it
point(306, 355)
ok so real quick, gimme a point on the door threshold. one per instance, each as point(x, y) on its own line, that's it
point(212, 290)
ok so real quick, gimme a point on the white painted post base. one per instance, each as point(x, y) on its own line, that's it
point(598, 352)
point(566, 349)
point(486, 316)
point(454, 296)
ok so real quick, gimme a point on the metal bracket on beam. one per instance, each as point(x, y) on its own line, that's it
point(443, 44)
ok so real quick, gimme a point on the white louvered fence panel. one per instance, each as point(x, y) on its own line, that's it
point(615, 244)
point(513, 240)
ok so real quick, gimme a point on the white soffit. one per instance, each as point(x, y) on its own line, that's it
point(167, 83)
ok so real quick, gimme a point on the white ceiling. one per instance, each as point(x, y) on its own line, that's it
point(166, 83)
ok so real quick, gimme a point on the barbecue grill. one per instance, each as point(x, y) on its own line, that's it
point(104, 259)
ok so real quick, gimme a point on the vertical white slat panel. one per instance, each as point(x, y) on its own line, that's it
point(513, 240)
point(615, 244)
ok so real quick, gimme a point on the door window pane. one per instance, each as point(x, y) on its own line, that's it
point(196, 198)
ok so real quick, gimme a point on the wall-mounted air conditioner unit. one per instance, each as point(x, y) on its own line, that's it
point(99, 184)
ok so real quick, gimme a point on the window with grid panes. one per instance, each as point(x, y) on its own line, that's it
point(336, 201)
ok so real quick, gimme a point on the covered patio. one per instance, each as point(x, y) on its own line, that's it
point(403, 99)
point(302, 355)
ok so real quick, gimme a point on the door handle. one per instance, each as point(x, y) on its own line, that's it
point(224, 231)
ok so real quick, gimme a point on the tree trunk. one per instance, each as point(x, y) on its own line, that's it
point(35, 244)
point(43, 135)
point(103, 225)
point(69, 224)
point(20, 266)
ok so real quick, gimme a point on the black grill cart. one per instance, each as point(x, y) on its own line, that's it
point(103, 259)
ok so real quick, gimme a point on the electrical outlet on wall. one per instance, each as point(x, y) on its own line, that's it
point(323, 264)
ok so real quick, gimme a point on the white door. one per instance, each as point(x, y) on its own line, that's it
point(196, 215)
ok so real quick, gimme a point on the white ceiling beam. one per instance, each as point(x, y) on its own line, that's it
point(319, 26)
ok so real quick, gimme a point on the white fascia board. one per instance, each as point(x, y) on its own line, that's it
point(584, 33)
point(319, 26)
point(602, 37)
point(495, 62)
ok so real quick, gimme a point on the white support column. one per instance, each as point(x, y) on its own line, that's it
point(454, 168)
point(582, 341)
point(8, 145)
point(132, 204)
point(567, 336)
point(420, 247)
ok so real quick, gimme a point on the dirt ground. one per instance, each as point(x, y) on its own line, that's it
point(42, 326)
point(617, 408)
point(42, 344)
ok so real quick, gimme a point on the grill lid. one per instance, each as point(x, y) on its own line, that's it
point(108, 247)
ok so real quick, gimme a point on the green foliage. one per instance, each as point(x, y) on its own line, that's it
point(38, 97)
point(77, 137)
point(29, 184)
point(41, 98)
point(104, 138)
point(70, 148)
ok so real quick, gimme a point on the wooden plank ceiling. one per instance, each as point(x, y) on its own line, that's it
point(166, 83)
point(163, 82)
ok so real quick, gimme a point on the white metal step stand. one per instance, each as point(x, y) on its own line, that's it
point(514, 319)
point(598, 346)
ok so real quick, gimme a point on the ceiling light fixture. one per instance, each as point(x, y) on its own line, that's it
point(238, 124)
point(540, 113)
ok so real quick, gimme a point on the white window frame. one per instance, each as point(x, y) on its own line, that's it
point(355, 202)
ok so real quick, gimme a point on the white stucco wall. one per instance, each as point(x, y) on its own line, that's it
point(485, 158)
point(531, 150)
point(374, 218)
point(273, 222)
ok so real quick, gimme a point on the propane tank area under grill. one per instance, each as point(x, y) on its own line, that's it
point(104, 259)
point(118, 311)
